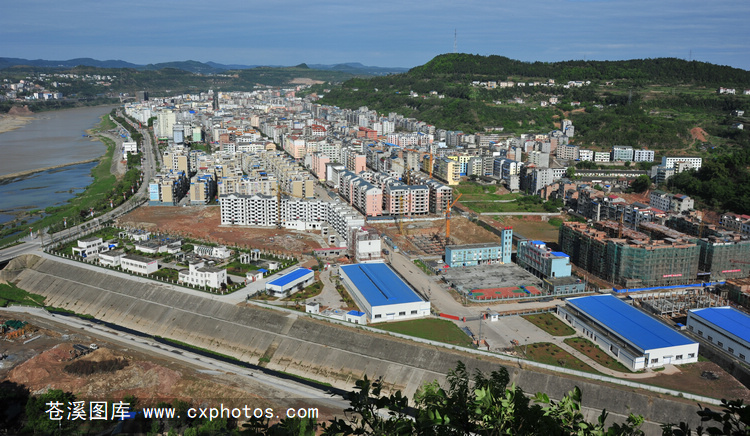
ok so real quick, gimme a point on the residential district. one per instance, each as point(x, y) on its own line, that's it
point(649, 281)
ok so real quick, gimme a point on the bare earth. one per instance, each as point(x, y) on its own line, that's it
point(699, 134)
point(12, 122)
point(204, 223)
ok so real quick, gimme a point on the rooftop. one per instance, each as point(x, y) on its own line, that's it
point(728, 319)
point(628, 322)
point(379, 284)
point(292, 276)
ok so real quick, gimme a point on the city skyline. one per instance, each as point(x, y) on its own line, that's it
point(389, 34)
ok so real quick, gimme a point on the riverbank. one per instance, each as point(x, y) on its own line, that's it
point(39, 170)
point(13, 122)
point(104, 188)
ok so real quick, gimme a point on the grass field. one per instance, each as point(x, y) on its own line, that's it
point(10, 294)
point(593, 351)
point(433, 329)
point(475, 192)
point(550, 324)
point(551, 354)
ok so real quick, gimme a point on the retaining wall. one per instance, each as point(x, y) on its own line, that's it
point(300, 345)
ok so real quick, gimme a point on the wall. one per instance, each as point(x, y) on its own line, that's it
point(306, 347)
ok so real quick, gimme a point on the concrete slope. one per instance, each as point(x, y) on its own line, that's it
point(298, 344)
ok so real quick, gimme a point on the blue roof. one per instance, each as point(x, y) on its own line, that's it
point(628, 322)
point(538, 242)
point(263, 270)
point(559, 253)
point(355, 313)
point(292, 276)
point(379, 284)
point(727, 319)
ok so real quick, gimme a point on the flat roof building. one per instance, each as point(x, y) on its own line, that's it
point(725, 327)
point(633, 337)
point(381, 293)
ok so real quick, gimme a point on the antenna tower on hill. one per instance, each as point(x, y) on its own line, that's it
point(455, 40)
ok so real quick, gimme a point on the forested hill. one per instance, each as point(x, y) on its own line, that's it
point(660, 70)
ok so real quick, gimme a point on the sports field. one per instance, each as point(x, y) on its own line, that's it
point(509, 292)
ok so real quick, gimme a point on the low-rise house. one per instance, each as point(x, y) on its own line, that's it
point(111, 258)
point(198, 274)
point(94, 245)
point(139, 264)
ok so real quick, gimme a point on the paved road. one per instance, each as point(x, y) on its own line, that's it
point(290, 388)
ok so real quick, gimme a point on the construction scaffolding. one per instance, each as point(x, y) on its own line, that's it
point(676, 303)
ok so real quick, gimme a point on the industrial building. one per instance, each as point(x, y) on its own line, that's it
point(480, 254)
point(553, 267)
point(634, 338)
point(290, 283)
point(630, 258)
point(381, 293)
point(725, 327)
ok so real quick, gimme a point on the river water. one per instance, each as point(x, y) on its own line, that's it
point(51, 139)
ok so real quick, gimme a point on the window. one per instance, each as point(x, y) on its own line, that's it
point(655, 360)
point(710, 338)
point(721, 344)
point(700, 332)
point(413, 312)
point(731, 350)
point(678, 357)
point(402, 314)
point(742, 356)
point(377, 316)
point(691, 355)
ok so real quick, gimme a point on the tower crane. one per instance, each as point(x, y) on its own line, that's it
point(448, 218)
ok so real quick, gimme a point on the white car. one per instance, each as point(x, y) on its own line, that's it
point(94, 347)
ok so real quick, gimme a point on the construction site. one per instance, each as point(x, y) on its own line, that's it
point(482, 283)
point(675, 303)
point(630, 258)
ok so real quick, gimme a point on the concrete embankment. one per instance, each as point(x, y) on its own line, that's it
point(300, 345)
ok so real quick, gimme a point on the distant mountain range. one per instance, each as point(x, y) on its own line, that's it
point(355, 68)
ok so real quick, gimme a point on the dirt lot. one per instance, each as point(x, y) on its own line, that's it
point(204, 223)
point(39, 365)
point(531, 227)
point(690, 380)
point(416, 233)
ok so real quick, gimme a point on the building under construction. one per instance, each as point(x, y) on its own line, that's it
point(723, 254)
point(628, 257)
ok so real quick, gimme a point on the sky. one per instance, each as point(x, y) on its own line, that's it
point(385, 33)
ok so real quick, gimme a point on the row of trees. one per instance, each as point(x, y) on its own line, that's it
point(475, 404)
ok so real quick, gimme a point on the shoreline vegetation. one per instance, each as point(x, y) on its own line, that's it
point(103, 180)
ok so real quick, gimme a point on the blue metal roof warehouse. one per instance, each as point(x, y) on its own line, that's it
point(379, 284)
point(381, 293)
point(728, 319)
point(724, 327)
point(289, 278)
point(628, 322)
point(633, 337)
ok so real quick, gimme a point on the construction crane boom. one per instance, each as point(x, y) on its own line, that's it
point(448, 217)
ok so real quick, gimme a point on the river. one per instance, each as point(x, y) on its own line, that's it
point(51, 139)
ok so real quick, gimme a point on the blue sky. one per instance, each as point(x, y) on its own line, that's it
point(384, 33)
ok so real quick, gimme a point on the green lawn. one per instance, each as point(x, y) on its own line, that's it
point(11, 294)
point(593, 351)
point(433, 329)
point(551, 354)
point(474, 192)
point(311, 291)
point(550, 324)
point(167, 273)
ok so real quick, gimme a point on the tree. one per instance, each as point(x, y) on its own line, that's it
point(640, 184)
